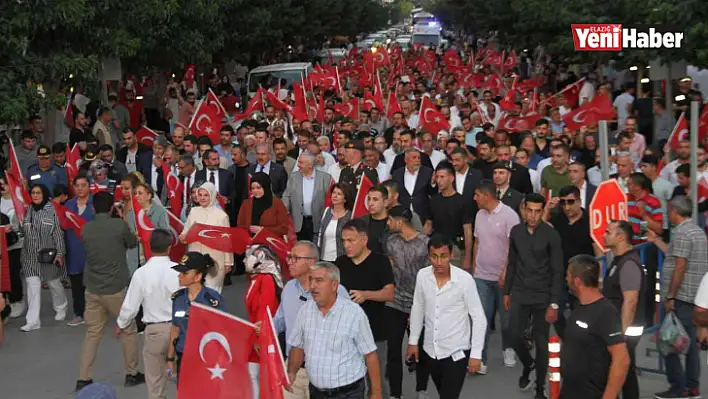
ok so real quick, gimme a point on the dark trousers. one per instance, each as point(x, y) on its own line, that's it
point(356, 391)
point(679, 378)
point(448, 375)
point(397, 328)
point(651, 264)
point(15, 275)
point(78, 297)
point(566, 300)
point(518, 321)
point(307, 231)
point(630, 390)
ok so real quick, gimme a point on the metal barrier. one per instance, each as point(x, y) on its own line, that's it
point(659, 313)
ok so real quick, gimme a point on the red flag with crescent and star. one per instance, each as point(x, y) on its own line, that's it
point(174, 188)
point(227, 239)
point(20, 197)
point(14, 163)
point(146, 136)
point(215, 357)
point(599, 108)
point(349, 110)
point(680, 132)
point(360, 208)
point(178, 248)
point(68, 219)
point(278, 244)
point(273, 375)
point(431, 119)
point(208, 117)
point(143, 226)
point(518, 125)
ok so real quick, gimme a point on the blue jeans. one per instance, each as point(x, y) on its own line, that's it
point(491, 297)
point(678, 378)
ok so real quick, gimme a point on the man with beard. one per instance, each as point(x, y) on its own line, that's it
point(407, 137)
point(336, 170)
point(186, 111)
point(397, 126)
point(394, 150)
point(683, 153)
point(220, 178)
point(280, 148)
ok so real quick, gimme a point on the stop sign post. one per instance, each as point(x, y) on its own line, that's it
point(608, 204)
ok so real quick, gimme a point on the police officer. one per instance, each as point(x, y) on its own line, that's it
point(193, 269)
point(45, 172)
point(625, 286)
point(353, 154)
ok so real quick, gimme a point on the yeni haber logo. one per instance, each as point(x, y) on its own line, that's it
point(614, 37)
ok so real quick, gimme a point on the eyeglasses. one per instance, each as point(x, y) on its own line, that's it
point(569, 202)
point(294, 258)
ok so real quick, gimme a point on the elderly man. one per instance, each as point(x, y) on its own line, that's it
point(335, 335)
point(305, 196)
point(277, 173)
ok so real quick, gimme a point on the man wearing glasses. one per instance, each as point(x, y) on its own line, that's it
point(573, 227)
point(296, 293)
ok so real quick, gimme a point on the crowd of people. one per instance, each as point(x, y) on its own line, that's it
point(459, 225)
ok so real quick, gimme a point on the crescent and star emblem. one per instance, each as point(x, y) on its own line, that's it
point(73, 220)
point(576, 117)
point(204, 233)
point(217, 371)
point(199, 120)
point(141, 221)
point(18, 194)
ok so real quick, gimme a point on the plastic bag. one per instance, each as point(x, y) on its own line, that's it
point(672, 336)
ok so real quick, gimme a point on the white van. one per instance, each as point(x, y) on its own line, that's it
point(427, 35)
point(266, 74)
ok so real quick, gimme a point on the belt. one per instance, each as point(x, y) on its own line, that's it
point(342, 389)
point(157, 322)
point(306, 217)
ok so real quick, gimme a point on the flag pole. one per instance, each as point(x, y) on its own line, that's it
point(694, 158)
point(277, 342)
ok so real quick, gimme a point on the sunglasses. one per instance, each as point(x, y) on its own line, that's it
point(569, 202)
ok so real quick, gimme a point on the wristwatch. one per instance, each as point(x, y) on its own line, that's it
point(170, 359)
point(554, 306)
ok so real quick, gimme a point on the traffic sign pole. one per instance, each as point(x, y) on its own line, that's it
point(694, 159)
point(604, 150)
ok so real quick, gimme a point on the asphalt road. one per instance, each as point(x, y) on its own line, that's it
point(43, 364)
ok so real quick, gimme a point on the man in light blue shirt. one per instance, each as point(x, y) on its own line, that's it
point(296, 293)
point(225, 145)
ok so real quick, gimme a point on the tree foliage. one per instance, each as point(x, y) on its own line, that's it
point(44, 42)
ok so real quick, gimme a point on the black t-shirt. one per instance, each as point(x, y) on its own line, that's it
point(376, 230)
point(487, 168)
point(575, 238)
point(585, 360)
point(449, 214)
point(370, 275)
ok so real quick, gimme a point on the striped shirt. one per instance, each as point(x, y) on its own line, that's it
point(688, 242)
point(334, 344)
point(652, 207)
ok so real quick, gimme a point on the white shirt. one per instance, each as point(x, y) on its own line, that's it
point(595, 174)
point(409, 180)
point(334, 171)
point(436, 157)
point(154, 173)
point(621, 104)
point(382, 170)
point(668, 172)
point(460, 181)
point(445, 312)
point(542, 164)
point(563, 110)
point(390, 156)
point(152, 286)
point(702, 294)
point(263, 168)
point(587, 91)
point(330, 242)
point(216, 177)
point(535, 180)
point(583, 195)
point(130, 161)
point(413, 121)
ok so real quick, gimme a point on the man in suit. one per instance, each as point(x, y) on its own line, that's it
point(505, 193)
point(520, 178)
point(137, 157)
point(467, 178)
point(415, 182)
point(303, 137)
point(280, 148)
point(406, 138)
point(116, 168)
point(576, 175)
point(354, 154)
point(278, 176)
point(220, 177)
point(305, 196)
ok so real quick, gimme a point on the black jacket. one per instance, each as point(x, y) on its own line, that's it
point(421, 193)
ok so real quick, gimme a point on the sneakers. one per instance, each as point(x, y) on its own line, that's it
point(81, 384)
point(17, 309)
point(30, 327)
point(525, 379)
point(133, 380)
point(672, 395)
point(509, 357)
point(60, 315)
point(695, 393)
point(482, 369)
point(422, 395)
point(76, 321)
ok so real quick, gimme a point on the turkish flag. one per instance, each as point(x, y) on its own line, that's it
point(703, 126)
point(431, 119)
point(222, 201)
point(494, 59)
point(328, 198)
point(494, 82)
point(300, 110)
point(681, 132)
point(276, 103)
point(572, 93)
point(349, 110)
point(73, 159)
point(174, 188)
point(69, 111)
point(508, 102)
point(178, 248)
point(360, 208)
point(143, 225)
point(702, 190)
point(20, 196)
point(452, 60)
point(471, 79)
point(277, 244)
point(393, 105)
point(227, 239)
point(256, 104)
point(510, 62)
point(146, 136)
point(376, 59)
point(529, 84)
point(207, 119)
point(599, 108)
point(273, 376)
point(68, 219)
point(189, 72)
point(215, 358)
point(15, 168)
point(373, 100)
point(518, 125)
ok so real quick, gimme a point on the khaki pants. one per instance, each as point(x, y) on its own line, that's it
point(301, 386)
point(98, 310)
point(155, 347)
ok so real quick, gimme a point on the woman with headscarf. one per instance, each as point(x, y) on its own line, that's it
point(263, 210)
point(208, 213)
point(156, 213)
point(266, 284)
point(43, 236)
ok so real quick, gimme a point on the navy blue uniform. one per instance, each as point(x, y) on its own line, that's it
point(49, 178)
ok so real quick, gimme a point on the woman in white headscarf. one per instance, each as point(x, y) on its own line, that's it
point(209, 213)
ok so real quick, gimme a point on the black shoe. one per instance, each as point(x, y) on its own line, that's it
point(81, 384)
point(227, 280)
point(671, 395)
point(540, 394)
point(133, 380)
point(525, 380)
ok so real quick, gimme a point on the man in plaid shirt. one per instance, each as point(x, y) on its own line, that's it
point(685, 264)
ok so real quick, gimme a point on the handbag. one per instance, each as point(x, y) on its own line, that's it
point(47, 255)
